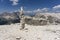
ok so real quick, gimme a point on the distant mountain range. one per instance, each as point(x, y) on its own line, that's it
point(44, 19)
point(8, 18)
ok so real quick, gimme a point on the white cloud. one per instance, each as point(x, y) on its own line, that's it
point(15, 2)
point(56, 7)
point(37, 10)
point(45, 9)
point(28, 11)
point(41, 10)
point(53, 9)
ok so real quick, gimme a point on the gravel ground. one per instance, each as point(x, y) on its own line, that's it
point(13, 32)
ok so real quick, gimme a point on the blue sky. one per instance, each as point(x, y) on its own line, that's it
point(35, 5)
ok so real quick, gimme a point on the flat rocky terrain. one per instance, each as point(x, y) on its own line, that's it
point(30, 32)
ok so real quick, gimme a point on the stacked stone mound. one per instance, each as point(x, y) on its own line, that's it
point(42, 19)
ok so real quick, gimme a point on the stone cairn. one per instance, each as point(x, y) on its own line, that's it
point(22, 23)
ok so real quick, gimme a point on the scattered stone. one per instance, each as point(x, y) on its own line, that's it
point(26, 28)
point(39, 38)
point(18, 38)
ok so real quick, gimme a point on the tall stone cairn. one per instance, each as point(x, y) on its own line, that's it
point(22, 22)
